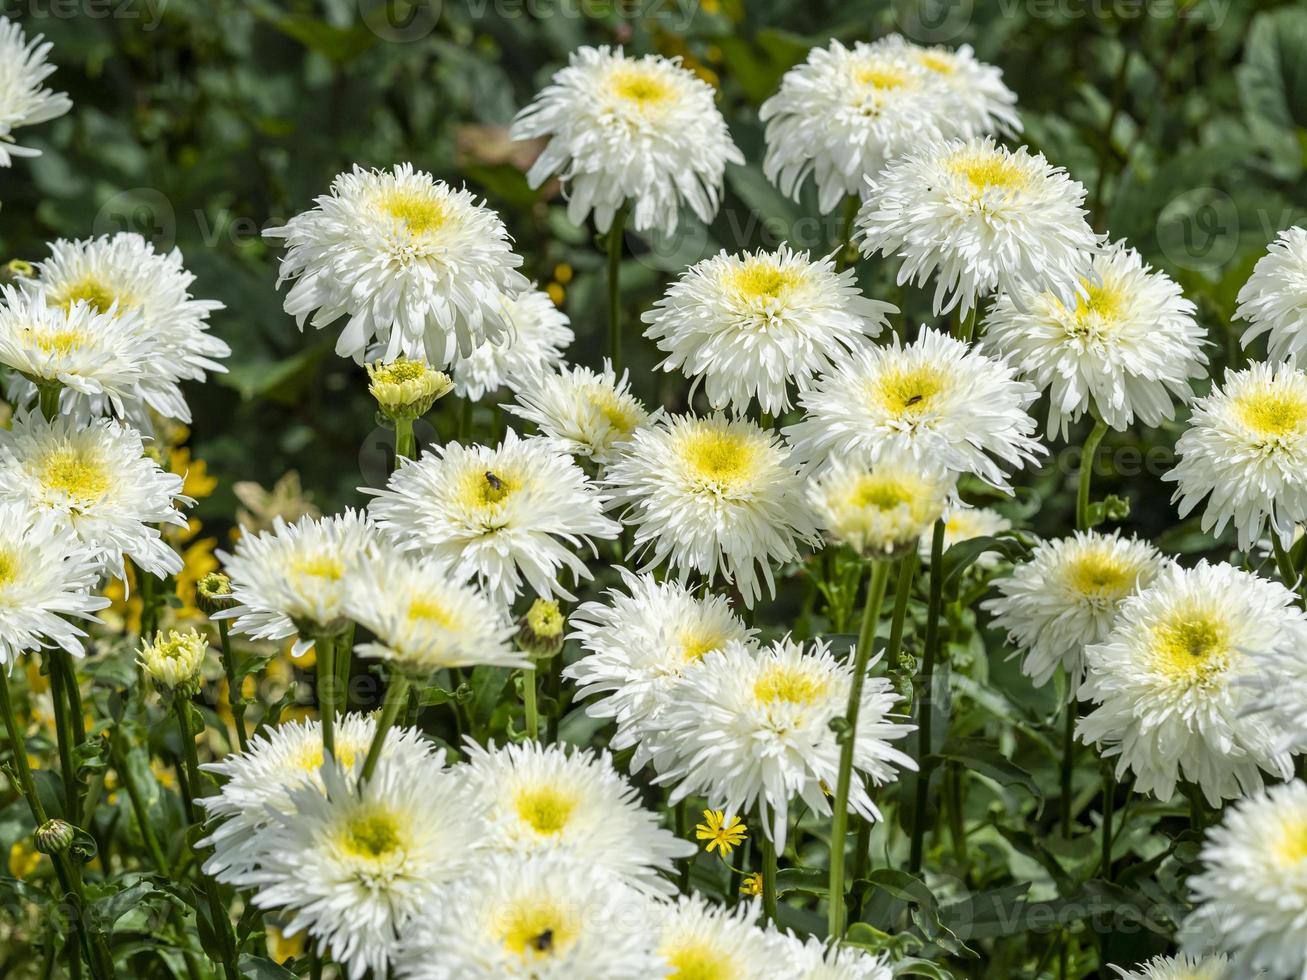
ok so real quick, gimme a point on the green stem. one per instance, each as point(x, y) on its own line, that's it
point(64, 735)
point(1068, 763)
point(902, 592)
point(396, 698)
point(235, 697)
point(846, 254)
point(1288, 574)
point(1087, 454)
point(768, 849)
point(682, 833)
point(848, 737)
point(615, 234)
point(342, 651)
point(405, 447)
point(142, 814)
point(326, 692)
point(18, 746)
point(48, 399)
point(529, 703)
point(925, 709)
point(1109, 795)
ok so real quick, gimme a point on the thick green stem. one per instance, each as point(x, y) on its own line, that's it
point(64, 735)
point(925, 709)
point(396, 698)
point(235, 697)
point(342, 651)
point(1087, 453)
point(405, 447)
point(1068, 762)
point(530, 709)
point(615, 235)
point(48, 399)
point(322, 649)
point(902, 592)
point(848, 737)
point(18, 746)
point(847, 254)
point(768, 849)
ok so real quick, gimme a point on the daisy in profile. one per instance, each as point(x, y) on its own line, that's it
point(935, 400)
point(542, 917)
point(517, 512)
point(528, 798)
point(585, 413)
point(983, 104)
point(748, 325)
point(1181, 967)
point(643, 133)
point(1244, 451)
point(24, 101)
point(982, 219)
point(423, 619)
point(842, 114)
point(259, 783)
point(357, 868)
point(713, 495)
point(1274, 299)
point(1166, 682)
point(1067, 596)
point(963, 524)
point(295, 579)
point(698, 938)
point(173, 662)
point(753, 730)
point(122, 274)
point(812, 959)
point(97, 360)
point(47, 575)
point(1125, 348)
point(636, 645)
point(1251, 893)
point(96, 481)
point(882, 510)
point(419, 268)
point(405, 389)
point(535, 343)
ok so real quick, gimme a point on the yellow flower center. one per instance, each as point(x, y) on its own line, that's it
point(910, 394)
point(545, 808)
point(1271, 413)
point(699, 961)
point(545, 619)
point(8, 567)
point(95, 293)
point(986, 169)
point(762, 280)
point(1291, 848)
point(639, 87)
point(311, 759)
point(372, 835)
point(319, 566)
point(62, 342)
point(536, 930)
point(881, 493)
point(419, 212)
point(400, 370)
point(1194, 646)
point(617, 413)
point(1104, 300)
point(878, 76)
point(782, 682)
point(429, 610)
point(695, 646)
point(723, 458)
point(82, 479)
point(936, 62)
point(1099, 575)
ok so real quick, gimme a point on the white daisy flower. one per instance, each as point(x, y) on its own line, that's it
point(545, 917)
point(983, 103)
point(879, 511)
point(936, 400)
point(752, 728)
point(842, 114)
point(636, 645)
point(122, 274)
point(97, 359)
point(982, 217)
point(747, 325)
point(531, 798)
point(97, 481)
point(538, 335)
point(359, 867)
point(1125, 348)
point(46, 576)
point(713, 495)
point(417, 266)
point(1245, 451)
point(697, 938)
point(587, 414)
point(964, 523)
point(1167, 681)
point(813, 959)
point(1274, 299)
point(1067, 596)
point(424, 619)
point(639, 131)
point(24, 101)
point(297, 579)
point(1181, 967)
point(258, 784)
point(517, 512)
point(1251, 896)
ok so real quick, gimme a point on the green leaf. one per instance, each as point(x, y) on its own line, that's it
point(979, 755)
point(1013, 545)
point(915, 966)
point(809, 881)
point(925, 910)
point(261, 968)
point(1273, 82)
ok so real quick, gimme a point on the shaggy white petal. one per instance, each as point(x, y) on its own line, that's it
point(24, 101)
point(584, 413)
point(699, 939)
point(538, 335)
point(1181, 967)
point(813, 959)
point(1274, 299)
point(963, 523)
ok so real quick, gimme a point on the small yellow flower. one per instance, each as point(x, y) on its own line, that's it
point(720, 834)
point(556, 293)
point(282, 947)
point(563, 273)
point(751, 885)
point(23, 859)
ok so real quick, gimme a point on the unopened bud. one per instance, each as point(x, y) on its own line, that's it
point(55, 836)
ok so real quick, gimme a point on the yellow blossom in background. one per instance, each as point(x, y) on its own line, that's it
point(751, 885)
point(282, 947)
point(24, 859)
point(286, 500)
point(719, 833)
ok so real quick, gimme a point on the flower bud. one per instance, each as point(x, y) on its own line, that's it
point(54, 836)
point(173, 662)
point(213, 593)
point(540, 633)
point(406, 389)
